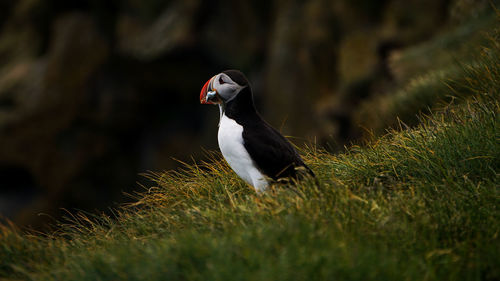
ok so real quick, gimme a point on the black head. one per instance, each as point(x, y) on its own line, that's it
point(237, 76)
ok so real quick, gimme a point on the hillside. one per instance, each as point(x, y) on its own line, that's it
point(421, 202)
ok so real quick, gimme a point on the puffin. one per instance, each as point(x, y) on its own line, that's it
point(255, 151)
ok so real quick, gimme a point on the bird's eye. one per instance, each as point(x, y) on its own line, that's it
point(221, 81)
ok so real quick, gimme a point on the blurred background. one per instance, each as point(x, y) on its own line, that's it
point(93, 93)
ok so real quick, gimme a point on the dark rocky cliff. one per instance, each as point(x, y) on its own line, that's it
point(92, 93)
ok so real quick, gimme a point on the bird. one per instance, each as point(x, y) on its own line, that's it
point(254, 150)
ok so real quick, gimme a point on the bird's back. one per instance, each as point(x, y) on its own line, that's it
point(272, 153)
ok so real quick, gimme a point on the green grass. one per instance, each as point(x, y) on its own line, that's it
point(415, 204)
point(418, 204)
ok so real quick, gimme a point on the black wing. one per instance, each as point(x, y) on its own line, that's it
point(272, 153)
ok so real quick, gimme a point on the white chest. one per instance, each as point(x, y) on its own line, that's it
point(231, 145)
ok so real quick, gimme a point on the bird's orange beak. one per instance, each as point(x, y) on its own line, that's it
point(209, 95)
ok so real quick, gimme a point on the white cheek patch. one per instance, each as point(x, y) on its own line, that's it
point(228, 90)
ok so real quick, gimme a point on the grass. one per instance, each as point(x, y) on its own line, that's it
point(415, 204)
point(418, 204)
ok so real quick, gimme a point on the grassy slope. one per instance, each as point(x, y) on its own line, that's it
point(420, 204)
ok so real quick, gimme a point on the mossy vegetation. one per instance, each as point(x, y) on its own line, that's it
point(433, 74)
point(418, 203)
